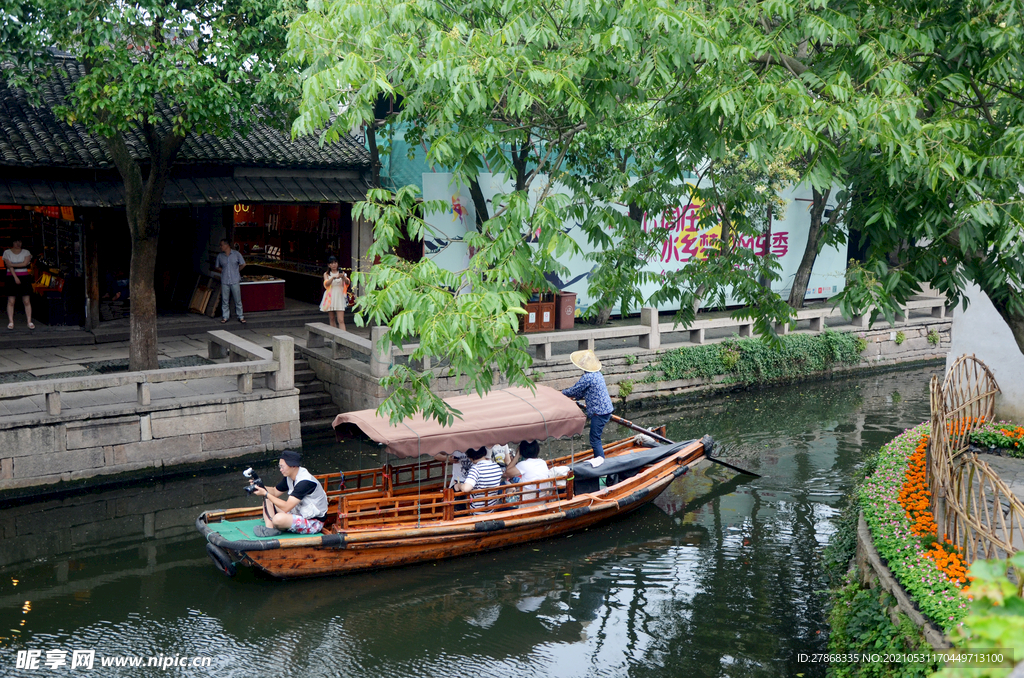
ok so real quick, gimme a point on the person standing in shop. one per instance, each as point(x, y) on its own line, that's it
point(18, 281)
point(230, 264)
point(335, 299)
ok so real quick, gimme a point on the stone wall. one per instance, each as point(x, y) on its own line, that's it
point(353, 388)
point(981, 331)
point(147, 440)
point(630, 364)
point(347, 379)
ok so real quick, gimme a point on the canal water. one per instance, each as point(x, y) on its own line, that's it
point(721, 577)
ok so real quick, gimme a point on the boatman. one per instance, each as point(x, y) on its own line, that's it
point(591, 386)
point(298, 503)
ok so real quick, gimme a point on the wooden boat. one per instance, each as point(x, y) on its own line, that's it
point(402, 514)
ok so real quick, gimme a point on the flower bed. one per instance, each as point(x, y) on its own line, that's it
point(1003, 435)
point(895, 504)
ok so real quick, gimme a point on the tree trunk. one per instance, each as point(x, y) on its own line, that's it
point(375, 164)
point(144, 198)
point(92, 273)
point(142, 338)
point(803, 272)
point(1014, 320)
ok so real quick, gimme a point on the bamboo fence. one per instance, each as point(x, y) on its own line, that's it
point(972, 506)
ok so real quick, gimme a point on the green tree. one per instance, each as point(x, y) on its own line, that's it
point(939, 197)
point(598, 114)
point(155, 72)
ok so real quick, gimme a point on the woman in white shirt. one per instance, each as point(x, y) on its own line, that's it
point(533, 468)
point(18, 281)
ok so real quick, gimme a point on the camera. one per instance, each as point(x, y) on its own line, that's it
point(254, 480)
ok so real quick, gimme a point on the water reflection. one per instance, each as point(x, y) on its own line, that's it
point(719, 578)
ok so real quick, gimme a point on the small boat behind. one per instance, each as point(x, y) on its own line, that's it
point(402, 514)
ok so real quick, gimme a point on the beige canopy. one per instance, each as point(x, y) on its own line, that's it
point(500, 417)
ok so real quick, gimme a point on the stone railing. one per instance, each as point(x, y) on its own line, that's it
point(648, 333)
point(351, 366)
point(171, 417)
point(279, 367)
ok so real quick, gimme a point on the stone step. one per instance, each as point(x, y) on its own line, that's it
point(310, 387)
point(329, 410)
point(304, 376)
point(301, 365)
point(316, 429)
point(309, 400)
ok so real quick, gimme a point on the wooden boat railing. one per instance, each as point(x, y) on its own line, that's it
point(355, 481)
point(388, 494)
point(383, 512)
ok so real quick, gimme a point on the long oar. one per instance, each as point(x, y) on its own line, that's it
point(640, 429)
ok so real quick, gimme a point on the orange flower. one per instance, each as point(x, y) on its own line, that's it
point(915, 499)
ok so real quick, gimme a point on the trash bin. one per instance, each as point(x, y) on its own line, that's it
point(565, 310)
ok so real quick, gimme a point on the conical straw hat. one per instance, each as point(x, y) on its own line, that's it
point(586, 361)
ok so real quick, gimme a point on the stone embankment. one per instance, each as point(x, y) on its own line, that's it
point(82, 429)
point(621, 365)
point(351, 366)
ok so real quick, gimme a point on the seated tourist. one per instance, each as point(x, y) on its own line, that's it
point(460, 466)
point(483, 475)
point(298, 503)
point(532, 468)
point(504, 457)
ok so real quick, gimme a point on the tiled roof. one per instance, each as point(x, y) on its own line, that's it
point(32, 136)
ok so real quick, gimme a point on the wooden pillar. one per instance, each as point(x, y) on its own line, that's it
point(92, 275)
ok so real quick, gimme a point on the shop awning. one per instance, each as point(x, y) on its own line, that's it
point(500, 417)
point(187, 192)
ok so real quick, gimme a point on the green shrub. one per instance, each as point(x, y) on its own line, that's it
point(861, 344)
point(860, 623)
point(900, 337)
point(730, 356)
point(625, 388)
point(752, 361)
point(995, 621)
point(933, 338)
point(630, 359)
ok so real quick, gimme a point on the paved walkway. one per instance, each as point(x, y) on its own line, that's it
point(59, 359)
point(1010, 470)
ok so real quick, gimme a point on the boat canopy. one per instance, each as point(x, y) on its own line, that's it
point(498, 418)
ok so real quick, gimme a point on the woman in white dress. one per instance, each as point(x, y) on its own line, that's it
point(335, 298)
point(18, 281)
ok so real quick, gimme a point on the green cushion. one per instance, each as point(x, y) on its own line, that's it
point(241, 530)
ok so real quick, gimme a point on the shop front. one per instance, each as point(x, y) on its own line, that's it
point(286, 248)
point(287, 203)
point(53, 235)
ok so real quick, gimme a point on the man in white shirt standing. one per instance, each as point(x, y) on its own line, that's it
point(230, 264)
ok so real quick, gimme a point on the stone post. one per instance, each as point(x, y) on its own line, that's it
point(284, 353)
point(649, 319)
point(380, 360)
point(215, 350)
point(53, 403)
point(313, 339)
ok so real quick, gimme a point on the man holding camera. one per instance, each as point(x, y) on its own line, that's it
point(298, 503)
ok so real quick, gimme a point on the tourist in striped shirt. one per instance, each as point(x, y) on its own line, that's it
point(484, 475)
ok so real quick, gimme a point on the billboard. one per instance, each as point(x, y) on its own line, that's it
point(685, 239)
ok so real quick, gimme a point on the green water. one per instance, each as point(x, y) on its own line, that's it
point(718, 578)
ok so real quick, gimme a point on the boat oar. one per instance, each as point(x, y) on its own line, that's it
point(660, 438)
